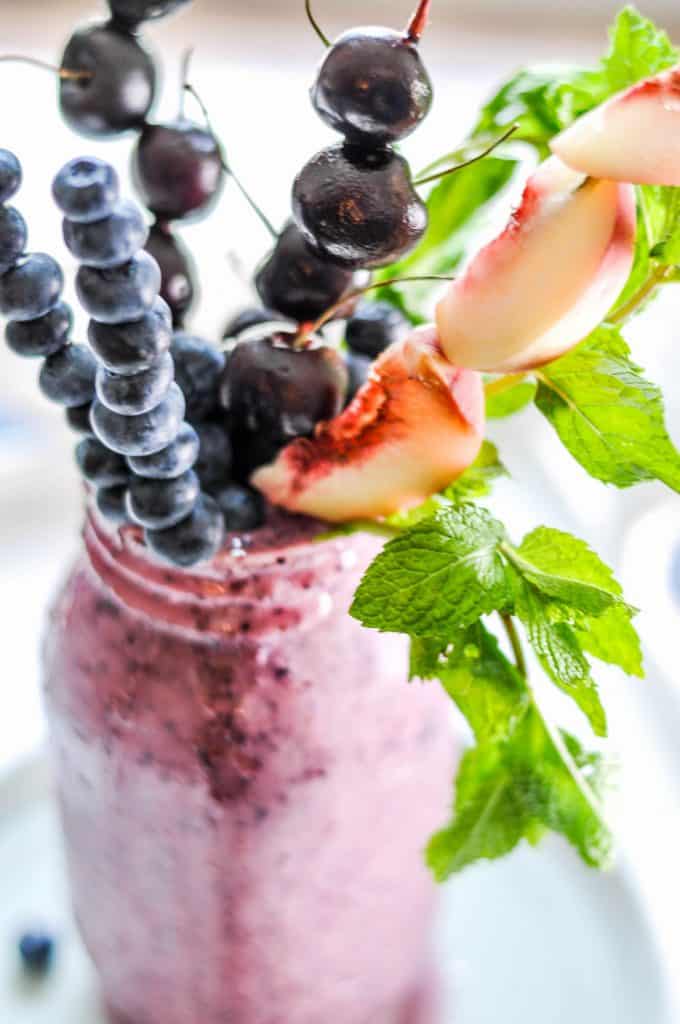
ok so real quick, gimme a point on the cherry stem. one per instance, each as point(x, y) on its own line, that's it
point(66, 73)
point(255, 207)
point(315, 24)
point(468, 163)
point(186, 66)
point(418, 23)
point(307, 330)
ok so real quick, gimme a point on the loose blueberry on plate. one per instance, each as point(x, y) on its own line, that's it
point(119, 92)
point(132, 346)
point(359, 207)
point(31, 288)
point(37, 950)
point(179, 456)
point(68, 376)
point(143, 434)
point(108, 242)
point(43, 336)
point(298, 282)
point(119, 294)
point(99, 465)
point(373, 326)
point(135, 393)
point(198, 371)
point(195, 539)
point(86, 190)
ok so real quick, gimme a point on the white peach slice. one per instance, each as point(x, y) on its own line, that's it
point(634, 136)
point(547, 280)
point(414, 426)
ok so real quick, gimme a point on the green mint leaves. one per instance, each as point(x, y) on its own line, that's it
point(607, 415)
point(521, 778)
point(436, 582)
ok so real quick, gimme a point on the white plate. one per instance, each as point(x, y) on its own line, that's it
point(535, 939)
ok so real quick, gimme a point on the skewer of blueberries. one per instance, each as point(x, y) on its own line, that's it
point(140, 453)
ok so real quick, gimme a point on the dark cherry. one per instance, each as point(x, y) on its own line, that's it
point(178, 168)
point(132, 13)
point(372, 86)
point(120, 92)
point(274, 393)
point(177, 271)
point(359, 207)
point(373, 326)
point(298, 282)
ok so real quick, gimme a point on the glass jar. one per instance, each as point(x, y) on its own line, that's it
point(246, 783)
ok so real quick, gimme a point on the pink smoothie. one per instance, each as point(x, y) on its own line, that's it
point(247, 782)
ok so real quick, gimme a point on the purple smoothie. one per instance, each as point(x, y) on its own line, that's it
point(247, 783)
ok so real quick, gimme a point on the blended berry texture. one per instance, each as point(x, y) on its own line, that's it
point(247, 783)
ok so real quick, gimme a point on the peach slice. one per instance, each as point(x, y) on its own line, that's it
point(547, 280)
point(415, 425)
point(634, 136)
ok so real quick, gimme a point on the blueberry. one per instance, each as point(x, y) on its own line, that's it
point(10, 175)
point(132, 12)
point(178, 169)
point(358, 207)
point(108, 242)
point(198, 369)
point(372, 86)
point(242, 508)
point(172, 461)
point(135, 345)
point(78, 418)
point(41, 337)
point(196, 539)
point(373, 326)
point(119, 93)
point(158, 504)
point(298, 282)
point(177, 271)
point(215, 456)
point(86, 190)
point(67, 377)
point(112, 504)
point(119, 294)
point(13, 237)
point(99, 466)
point(246, 319)
point(36, 950)
point(143, 434)
point(134, 393)
point(31, 288)
point(358, 368)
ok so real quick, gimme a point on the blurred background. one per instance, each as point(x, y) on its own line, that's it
point(253, 63)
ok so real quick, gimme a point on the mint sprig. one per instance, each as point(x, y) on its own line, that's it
point(436, 581)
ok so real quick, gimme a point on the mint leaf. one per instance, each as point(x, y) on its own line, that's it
point(606, 414)
point(611, 637)
point(511, 401)
point(438, 576)
point(521, 778)
point(558, 650)
point(638, 49)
